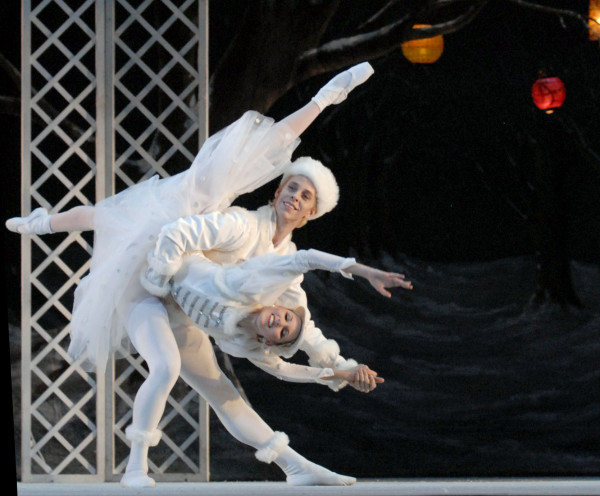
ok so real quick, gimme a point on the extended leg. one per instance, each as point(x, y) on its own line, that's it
point(39, 221)
point(151, 335)
point(76, 219)
point(200, 370)
point(334, 92)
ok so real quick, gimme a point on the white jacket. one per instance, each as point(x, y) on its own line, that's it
point(236, 235)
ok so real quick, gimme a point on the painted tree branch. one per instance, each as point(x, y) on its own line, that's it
point(560, 12)
point(10, 105)
point(290, 38)
point(11, 70)
point(342, 52)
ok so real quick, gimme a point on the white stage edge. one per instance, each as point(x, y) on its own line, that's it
point(385, 487)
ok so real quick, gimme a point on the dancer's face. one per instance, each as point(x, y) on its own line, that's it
point(277, 325)
point(296, 199)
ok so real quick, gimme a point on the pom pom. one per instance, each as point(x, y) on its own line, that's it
point(271, 451)
point(151, 438)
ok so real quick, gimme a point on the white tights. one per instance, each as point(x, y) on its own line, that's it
point(187, 351)
point(79, 218)
point(149, 331)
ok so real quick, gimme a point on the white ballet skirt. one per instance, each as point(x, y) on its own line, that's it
point(238, 159)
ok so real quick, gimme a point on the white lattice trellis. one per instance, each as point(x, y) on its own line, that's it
point(113, 92)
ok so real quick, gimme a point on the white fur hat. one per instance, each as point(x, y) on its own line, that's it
point(328, 192)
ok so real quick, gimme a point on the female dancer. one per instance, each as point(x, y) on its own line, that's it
point(111, 305)
point(235, 305)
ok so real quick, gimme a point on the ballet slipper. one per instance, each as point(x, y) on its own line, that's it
point(37, 222)
point(337, 89)
point(136, 473)
point(298, 470)
point(311, 474)
point(137, 478)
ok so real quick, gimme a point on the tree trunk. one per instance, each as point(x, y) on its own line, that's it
point(551, 162)
point(262, 61)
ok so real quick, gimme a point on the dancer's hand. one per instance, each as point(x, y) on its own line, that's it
point(381, 280)
point(364, 379)
point(361, 378)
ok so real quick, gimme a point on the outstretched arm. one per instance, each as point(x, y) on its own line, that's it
point(361, 378)
point(380, 279)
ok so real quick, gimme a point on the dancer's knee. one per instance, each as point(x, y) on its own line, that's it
point(214, 387)
point(164, 373)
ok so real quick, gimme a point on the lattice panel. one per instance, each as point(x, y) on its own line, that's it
point(59, 113)
point(110, 97)
point(156, 130)
point(178, 453)
point(156, 88)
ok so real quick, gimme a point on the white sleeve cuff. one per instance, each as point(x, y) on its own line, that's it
point(338, 384)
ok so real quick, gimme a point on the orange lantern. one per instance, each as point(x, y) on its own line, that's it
point(424, 51)
point(548, 93)
point(594, 20)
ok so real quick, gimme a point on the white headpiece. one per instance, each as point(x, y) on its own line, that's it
point(328, 192)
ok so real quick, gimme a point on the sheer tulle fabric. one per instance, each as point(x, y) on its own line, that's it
point(238, 159)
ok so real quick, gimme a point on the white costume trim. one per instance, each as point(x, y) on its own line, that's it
point(336, 384)
point(271, 451)
point(151, 438)
point(155, 283)
point(325, 353)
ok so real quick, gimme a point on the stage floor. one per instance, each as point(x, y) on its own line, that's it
point(479, 487)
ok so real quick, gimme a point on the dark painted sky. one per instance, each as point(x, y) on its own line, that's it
point(425, 154)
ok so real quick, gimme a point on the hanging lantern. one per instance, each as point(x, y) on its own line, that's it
point(594, 20)
point(425, 51)
point(548, 93)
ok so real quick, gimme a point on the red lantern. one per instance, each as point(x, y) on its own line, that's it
point(548, 93)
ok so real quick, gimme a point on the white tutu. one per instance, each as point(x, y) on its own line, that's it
point(238, 159)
